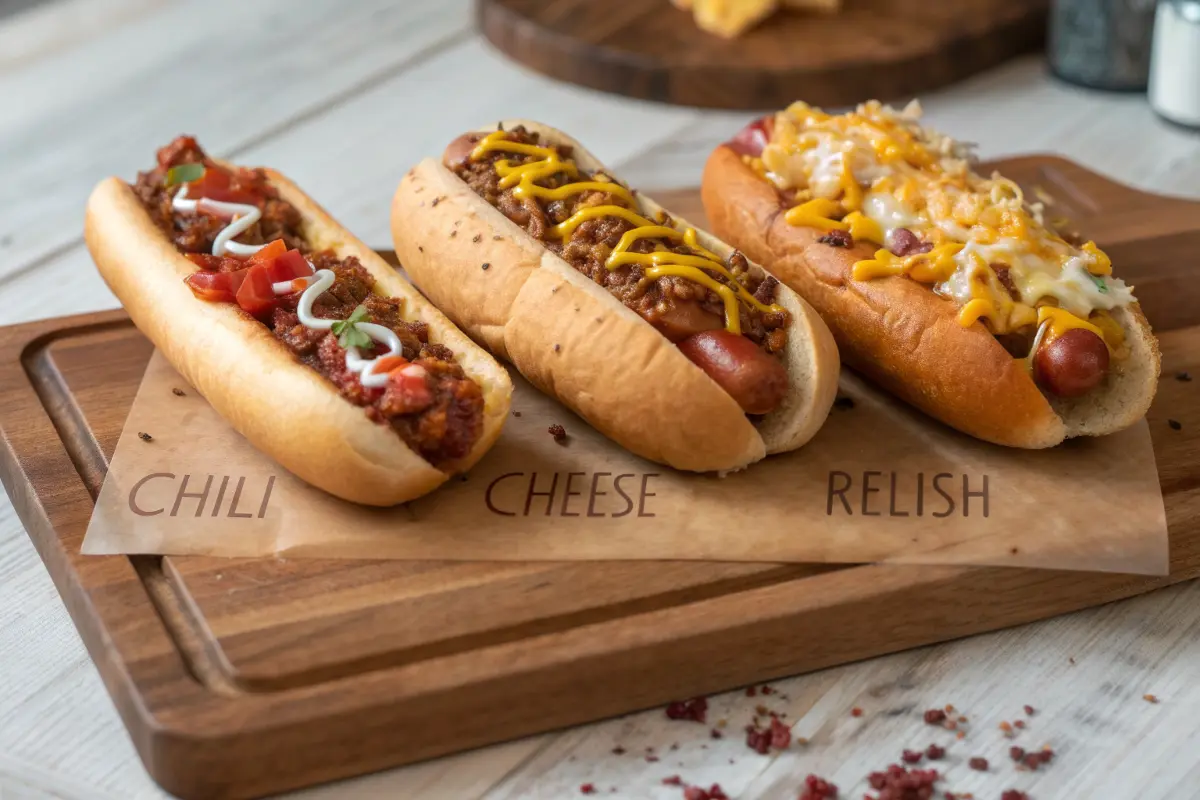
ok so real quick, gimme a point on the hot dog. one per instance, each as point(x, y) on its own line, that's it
point(303, 338)
point(944, 286)
point(665, 339)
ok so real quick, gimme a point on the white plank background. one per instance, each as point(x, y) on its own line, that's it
point(365, 89)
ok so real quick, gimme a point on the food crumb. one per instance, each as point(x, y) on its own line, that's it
point(856, 712)
point(694, 709)
point(587, 788)
point(557, 347)
point(486, 266)
point(673, 780)
point(934, 752)
point(560, 436)
point(437, 200)
point(177, 392)
point(145, 437)
point(1014, 794)
point(1029, 711)
point(516, 413)
point(1175, 424)
point(1016, 753)
point(1007, 728)
point(751, 691)
point(496, 238)
point(978, 763)
point(453, 234)
point(715, 734)
point(1184, 377)
point(935, 716)
point(836, 238)
point(960, 735)
point(714, 792)
point(618, 751)
point(1019, 723)
point(911, 756)
point(1149, 698)
point(477, 238)
point(816, 788)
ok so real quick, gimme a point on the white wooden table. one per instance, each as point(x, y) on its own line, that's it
point(344, 97)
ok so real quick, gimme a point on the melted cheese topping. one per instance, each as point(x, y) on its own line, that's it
point(876, 170)
point(695, 267)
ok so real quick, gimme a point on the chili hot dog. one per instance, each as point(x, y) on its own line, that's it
point(311, 346)
point(943, 285)
point(665, 339)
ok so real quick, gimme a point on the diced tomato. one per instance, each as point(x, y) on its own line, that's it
point(255, 295)
point(219, 184)
point(272, 251)
point(205, 261)
point(751, 140)
point(216, 287)
point(291, 264)
point(408, 390)
point(389, 363)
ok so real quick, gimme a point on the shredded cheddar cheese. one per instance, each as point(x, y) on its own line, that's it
point(875, 171)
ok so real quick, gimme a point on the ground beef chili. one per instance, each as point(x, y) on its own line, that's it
point(675, 305)
point(447, 422)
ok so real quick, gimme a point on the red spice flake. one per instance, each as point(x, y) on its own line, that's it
point(767, 690)
point(911, 756)
point(856, 712)
point(781, 735)
point(651, 759)
point(1016, 753)
point(715, 734)
point(1014, 794)
point(758, 740)
point(714, 792)
point(1019, 724)
point(618, 751)
point(751, 691)
point(694, 709)
point(934, 752)
point(935, 716)
point(587, 788)
point(899, 783)
point(818, 789)
point(978, 763)
point(1149, 698)
point(1029, 711)
point(1036, 759)
point(674, 780)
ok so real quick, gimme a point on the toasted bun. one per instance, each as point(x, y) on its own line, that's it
point(283, 408)
point(575, 341)
point(908, 340)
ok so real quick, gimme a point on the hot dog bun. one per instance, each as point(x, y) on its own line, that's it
point(908, 340)
point(575, 341)
point(284, 408)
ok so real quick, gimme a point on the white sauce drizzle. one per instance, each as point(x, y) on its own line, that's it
point(321, 281)
point(244, 216)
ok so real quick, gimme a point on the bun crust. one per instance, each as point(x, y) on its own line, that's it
point(575, 341)
point(242, 370)
point(908, 340)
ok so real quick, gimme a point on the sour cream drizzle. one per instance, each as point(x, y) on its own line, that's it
point(244, 216)
point(322, 279)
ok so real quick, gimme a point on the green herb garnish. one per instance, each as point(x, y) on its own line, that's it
point(347, 330)
point(1100, 284)
point(184, 173)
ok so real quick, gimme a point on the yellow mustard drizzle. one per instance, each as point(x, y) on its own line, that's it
point(521, 178)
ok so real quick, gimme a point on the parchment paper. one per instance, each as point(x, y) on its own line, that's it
point(880, 482)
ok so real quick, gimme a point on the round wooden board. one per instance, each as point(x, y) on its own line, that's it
point(886, 49)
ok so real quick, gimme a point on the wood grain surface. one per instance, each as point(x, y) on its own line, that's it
point(651, 50)
point(241, 678)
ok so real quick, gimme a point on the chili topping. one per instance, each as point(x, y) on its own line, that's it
point(250, 248)
point(593, 223)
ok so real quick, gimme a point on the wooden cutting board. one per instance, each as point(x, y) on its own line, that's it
point(248, 677)
point(884, 49)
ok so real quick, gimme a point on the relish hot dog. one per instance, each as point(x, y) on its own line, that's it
point(946, 287)
point(665, 339)
point(303, 338)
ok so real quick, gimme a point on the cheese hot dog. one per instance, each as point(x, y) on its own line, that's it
point(663, 338)
point(304, 339)
point(944, 286)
